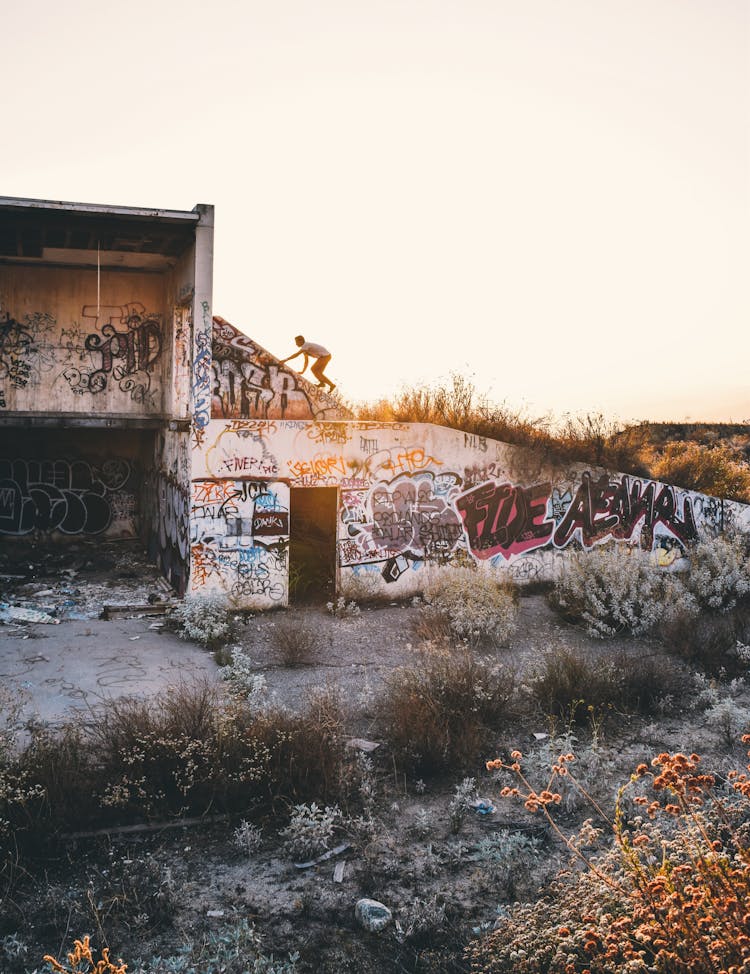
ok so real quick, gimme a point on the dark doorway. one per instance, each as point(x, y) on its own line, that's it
point(312, 544)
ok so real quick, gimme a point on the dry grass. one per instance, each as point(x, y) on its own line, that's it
point(440, 713)
point(294, 644)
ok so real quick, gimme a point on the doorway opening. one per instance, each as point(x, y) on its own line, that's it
point(312, 544)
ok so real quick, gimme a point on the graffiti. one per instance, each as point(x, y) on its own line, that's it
point(394, 568)
point(248, 382)
point(559, 503)
point(319, 467)
point(472, 442)
point(507, 519)
point(368, 447)
point(181, 328)
point(252, 427)
point(328, 433)
point(204, 564)
point(256, 580)
point(2, 399)
point(173, 507)
point(71, 497)
point(270, 523)
point(127, 356)
point(405, 515)
point(239, 532)
point(26, 350)
point(202, 378)
point(398, 460)
point(604, 509)
point(248, 458)
point(503, 519)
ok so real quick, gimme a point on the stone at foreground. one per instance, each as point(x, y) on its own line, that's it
point(371, 915)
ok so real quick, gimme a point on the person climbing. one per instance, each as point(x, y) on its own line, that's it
point(321, 358)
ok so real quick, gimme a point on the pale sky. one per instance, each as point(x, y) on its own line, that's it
point(552, 196)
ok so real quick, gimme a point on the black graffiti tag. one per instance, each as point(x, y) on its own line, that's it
point(603, 508)
point(55, 495)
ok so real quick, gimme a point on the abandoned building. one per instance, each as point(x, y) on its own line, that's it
point(127, 409)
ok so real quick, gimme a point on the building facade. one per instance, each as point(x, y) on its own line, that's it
point(127, 409)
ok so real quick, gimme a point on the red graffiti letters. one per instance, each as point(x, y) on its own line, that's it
point(507, 520)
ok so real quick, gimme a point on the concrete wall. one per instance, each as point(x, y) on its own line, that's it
point(61, 353)
point(247, 382)
point(415, 495)
point(69, 485)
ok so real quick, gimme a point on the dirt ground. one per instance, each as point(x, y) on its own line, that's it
point(443, 886)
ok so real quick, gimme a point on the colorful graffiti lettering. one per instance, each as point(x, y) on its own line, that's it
point(503, 519)
point(403, 515)
point(319, 466)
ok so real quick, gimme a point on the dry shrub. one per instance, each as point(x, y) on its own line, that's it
point(430, 625)
point(456, 402)
point(719, 575)
point(709, 640)
point(670, 895)
point(715, 470)
point(477, 605)
point(191, 750)
point(441, 712)
point(616, 589)
point(307, 749)
point(295, 644)
point(572, 686)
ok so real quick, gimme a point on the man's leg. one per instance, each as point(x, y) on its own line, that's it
point(317, 371)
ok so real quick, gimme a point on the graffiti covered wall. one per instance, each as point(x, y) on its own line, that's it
point(414, 495)
point(247, 382)
point(239, 541)
point(60, 351)
point(68, 487)
point(166, 505)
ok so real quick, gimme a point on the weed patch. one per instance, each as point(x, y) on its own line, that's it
point(439, 713)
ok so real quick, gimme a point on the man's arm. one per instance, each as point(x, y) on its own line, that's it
point(290, 357)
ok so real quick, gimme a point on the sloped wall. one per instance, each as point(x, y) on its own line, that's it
point(415, 495)
point(250, 383)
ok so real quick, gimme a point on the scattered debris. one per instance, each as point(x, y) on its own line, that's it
point(482, 806)
point(324, 857)
point(338, 872)
point(129, 611)
point(15, 613)
point(362, 745)
point(74, 581)
point(215, 913)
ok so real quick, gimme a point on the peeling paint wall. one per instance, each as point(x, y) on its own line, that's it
point(415, 495)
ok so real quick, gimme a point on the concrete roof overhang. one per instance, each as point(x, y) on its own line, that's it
point(89, 235)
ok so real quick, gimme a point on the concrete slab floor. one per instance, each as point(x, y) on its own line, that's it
point(69, 669)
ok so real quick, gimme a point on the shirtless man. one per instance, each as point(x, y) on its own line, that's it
point(321, 358)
